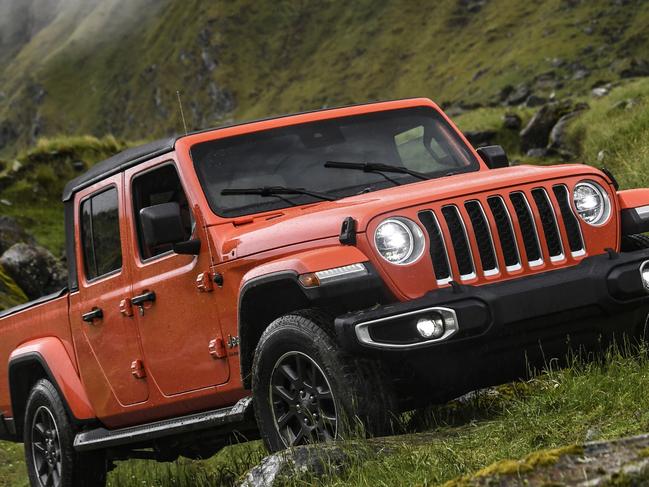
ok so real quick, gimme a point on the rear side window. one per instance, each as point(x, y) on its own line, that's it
point(102, 249)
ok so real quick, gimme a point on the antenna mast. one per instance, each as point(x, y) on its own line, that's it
point(182, 113)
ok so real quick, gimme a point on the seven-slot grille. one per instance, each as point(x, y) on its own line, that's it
point(522, 224)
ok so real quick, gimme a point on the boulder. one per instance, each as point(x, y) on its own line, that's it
point(36, 271)
point(558, 140)
point(535, 101)
point(518, 95)
point(512, 121)
point(480, 138)
point(536, 133)
point(303, 464)
point(11, 233)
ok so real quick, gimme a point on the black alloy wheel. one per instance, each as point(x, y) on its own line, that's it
point(46, 448)
point(302, 401)
point(307, 389)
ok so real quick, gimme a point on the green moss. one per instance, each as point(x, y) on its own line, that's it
point(10, 293)
point(644, 453)
point(528, 464)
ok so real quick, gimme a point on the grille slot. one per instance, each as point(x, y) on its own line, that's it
point(460, 241)
point(573, 230)
point(437, 249)
point(505, 232)
point(483, 237)
point(549, 223)
point(528, 228)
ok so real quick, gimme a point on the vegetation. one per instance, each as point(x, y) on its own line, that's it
point(108, 75)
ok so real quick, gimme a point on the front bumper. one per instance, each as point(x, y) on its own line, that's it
point(504, 329)
point(608, 285)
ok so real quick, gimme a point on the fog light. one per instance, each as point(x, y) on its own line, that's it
point(644, 274)
point(432, 327)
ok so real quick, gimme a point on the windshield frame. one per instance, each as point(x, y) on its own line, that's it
point(275, 204)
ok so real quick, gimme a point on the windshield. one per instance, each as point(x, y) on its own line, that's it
point(418, 139)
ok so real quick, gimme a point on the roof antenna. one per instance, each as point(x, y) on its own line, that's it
point(182, 113)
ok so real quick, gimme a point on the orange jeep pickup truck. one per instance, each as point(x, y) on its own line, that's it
point(290, 277)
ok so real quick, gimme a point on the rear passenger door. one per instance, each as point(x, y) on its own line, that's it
point(106, 340)
point(179, 324)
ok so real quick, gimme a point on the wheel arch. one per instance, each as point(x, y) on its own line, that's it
point(273, 289)
point(46, 358)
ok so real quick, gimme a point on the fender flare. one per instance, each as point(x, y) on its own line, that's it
point(50, 355)
point(258, 287)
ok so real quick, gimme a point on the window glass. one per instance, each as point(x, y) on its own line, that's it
point(156, 187)
point(102, 247)
point(295, 156)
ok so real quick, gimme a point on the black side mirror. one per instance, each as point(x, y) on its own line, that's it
point(162, 225)
point(494, 156)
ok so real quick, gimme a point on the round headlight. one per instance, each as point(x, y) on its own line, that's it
point(591, 202)
point(399, 240)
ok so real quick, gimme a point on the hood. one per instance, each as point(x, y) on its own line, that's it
point(246, 236)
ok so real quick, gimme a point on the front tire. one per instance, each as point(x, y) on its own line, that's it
point(49, 437)
point(306, 389)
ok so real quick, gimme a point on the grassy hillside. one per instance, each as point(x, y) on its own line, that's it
point(114, 66)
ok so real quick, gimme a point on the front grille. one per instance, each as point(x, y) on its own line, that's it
point(521, 226)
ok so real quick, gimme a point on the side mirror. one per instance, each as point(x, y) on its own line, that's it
point(162, 225)
point(494, 156)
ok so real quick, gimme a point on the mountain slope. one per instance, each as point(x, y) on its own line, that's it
point(114, 66)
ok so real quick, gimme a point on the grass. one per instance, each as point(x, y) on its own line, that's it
point(313, 54)
point(535, 421)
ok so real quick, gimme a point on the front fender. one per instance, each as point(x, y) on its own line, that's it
point(49, 354)
point(634, 210)
point(309, 261)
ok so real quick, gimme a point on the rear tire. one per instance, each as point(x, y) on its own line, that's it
point(49, 437)
point(306, 389)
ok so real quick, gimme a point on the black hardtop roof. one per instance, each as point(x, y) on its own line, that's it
point(119, 162)
point(137, 155)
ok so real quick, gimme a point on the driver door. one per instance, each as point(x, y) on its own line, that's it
point(178, 324)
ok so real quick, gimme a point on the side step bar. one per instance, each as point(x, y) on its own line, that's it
point(101, 438)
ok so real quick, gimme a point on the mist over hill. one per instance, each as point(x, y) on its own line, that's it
point(114, 66)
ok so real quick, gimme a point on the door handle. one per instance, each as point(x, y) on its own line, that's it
point(147, 297)
point(143, 298)
point(94, 314)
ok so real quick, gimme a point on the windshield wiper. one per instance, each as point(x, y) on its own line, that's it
point(375, 167)
point(276, 191)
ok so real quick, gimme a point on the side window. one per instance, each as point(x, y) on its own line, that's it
point(155, 187)
point(100, 238)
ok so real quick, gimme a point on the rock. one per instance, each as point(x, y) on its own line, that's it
point(11, 233)
point(558, 142)
point(600, 463)
point(5, 202)
point(536, 133)
point(505, 92)
point(36, 271)
point(512, 121)
point(518, 95)
point(624, 105)
point(309, 462)
point(480, 138)
point(78, 166)
point(537, 152)
point(601, 91)
point(634, 67)
point(601, 155)
point(10, 294)
point(535, 101)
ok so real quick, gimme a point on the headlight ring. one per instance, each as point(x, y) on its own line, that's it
point(399, 240)
point(592, 202)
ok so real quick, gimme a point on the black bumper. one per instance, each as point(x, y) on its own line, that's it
point(503, 326)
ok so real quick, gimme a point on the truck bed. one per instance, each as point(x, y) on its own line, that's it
point(45, 317)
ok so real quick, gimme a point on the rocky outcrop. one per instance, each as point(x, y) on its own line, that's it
point(537, 132)
point(604, 463)
point(34, 269)
point(304, 463)
point(11, 233)
point(480, 138)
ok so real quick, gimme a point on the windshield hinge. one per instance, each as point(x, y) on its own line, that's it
point(348, 231)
